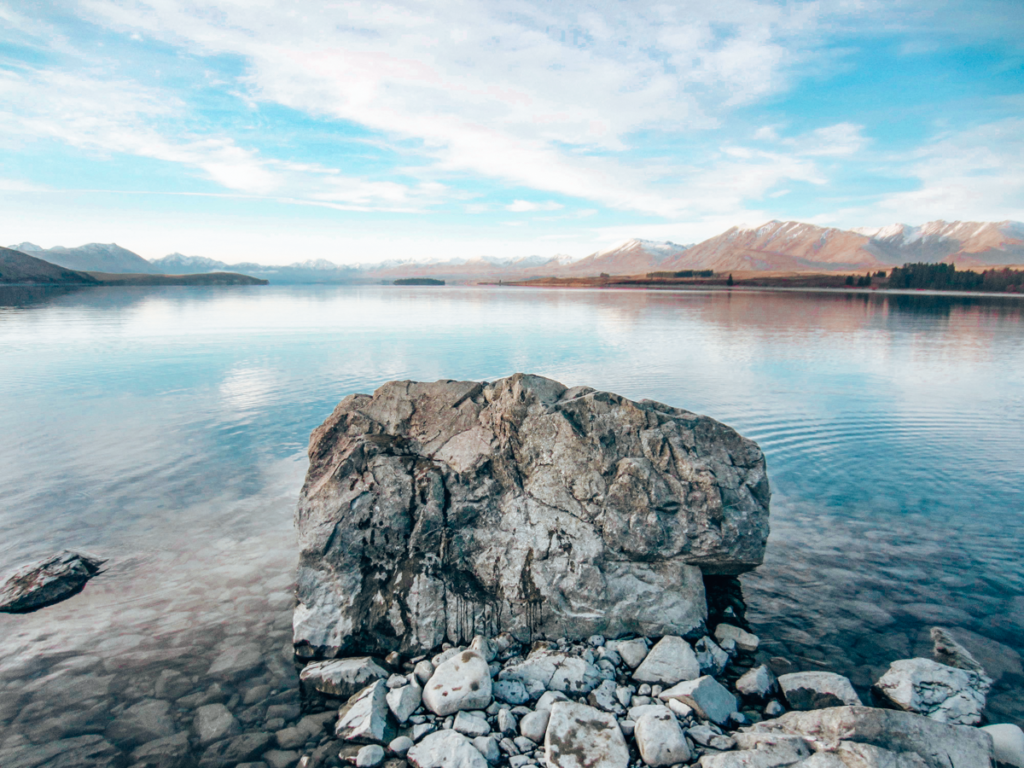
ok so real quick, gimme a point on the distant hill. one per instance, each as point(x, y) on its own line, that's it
point(94, 257)
point(631, 258)
point(17, 268)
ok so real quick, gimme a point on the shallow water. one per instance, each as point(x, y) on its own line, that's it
point(165, 429)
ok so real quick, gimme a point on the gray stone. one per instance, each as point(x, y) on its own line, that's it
point(948, 651)
point(660, 740)
point(364, 718)
point(47, 581)
point(633, 652)
point(774, 709)
point(404, 701)
point(481, 645)
point(422, 729)
point(817, 690)
point(397, 681)
point(286, 712)
point(477, 479)
point(549, 698)
point(940, 745)
point(758, 683)
point(146, 721)
point(946, 694)
point(471, 724)
point(240, 749)
point(488, 747)
point(446, 749)
point(603, 697)
point(510, 691)
point(712, 659)
point(79, 752)
point(290, 738)
point(342, 677)
point(744, 640)
point(213, 722)
point(534, 725)
point(519, 761)
point(279, 758)
point(1008, 743)
point(507, 722)
point(461, 682)
point(547, 670)
point(679, 709)
point(171, 684)
point(670, 661)
point(423, 670)
point(168, 751)
point(711, 700)
point(236, 661)
point(579, 736)
point(370, 756)
point(707, 736)
point(627, 726)
point(401, 745)
point(763, 750)
point(524, 745)
point(822, 760)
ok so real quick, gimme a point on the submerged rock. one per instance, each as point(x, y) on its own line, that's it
point(440, 511)
point(343, 677)
point(48, 581)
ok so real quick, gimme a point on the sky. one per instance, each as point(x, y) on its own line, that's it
point(277, 131)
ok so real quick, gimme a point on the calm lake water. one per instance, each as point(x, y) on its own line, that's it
point(165, 429)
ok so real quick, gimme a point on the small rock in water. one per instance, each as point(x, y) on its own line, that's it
point(370, 756)
point(806, 691)
point(925, 687)
point(461, 682)
point(47, 581)
point(707, 696)
point(668, 662)
point(213, 722)
point(744, 640)
point(660, 740)
point(446, 749)
point(342, 677)
point(579, 736)
point(757, 683)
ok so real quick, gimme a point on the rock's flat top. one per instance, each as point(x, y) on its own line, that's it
point(437, 511)
point(47, 581)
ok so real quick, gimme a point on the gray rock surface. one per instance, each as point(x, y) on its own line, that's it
point(213, 722)
point(488, 747)
point(758, 683)
point(948, 651)
point(471, 724)
point(669, 661)
point(146, 721)
point(943, 693)
point(633, 652)
point(47, 581)
point(342, 677)
point(817, 690)
point(534, 725)
point(370, 756)
point(547, 670)
point(439, 511)
point(940, 745)
point(445, 749)
point(711, 700)
point(764, 750)
point(161, 752)
point(579, 736)
point(461, 682)
point(745, 641)
point(404, 701)
point(660, 740)
point(364, 718)
point(711, 658)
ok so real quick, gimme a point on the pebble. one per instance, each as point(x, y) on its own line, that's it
point(370, 756)
point(471, 724)
point(534, 725)
point(401, 745)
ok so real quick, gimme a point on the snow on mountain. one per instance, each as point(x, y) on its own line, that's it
point(179, 264)
point(25, 248)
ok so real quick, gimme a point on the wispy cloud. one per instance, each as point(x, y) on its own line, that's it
point(525, 206)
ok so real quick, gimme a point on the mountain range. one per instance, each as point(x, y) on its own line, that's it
point(779, 246)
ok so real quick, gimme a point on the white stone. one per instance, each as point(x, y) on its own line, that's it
point(471, 724)
point(757, 683)
point(547, 670)
point(342, 677)
point(817, 690)
point(397, 681)
point(401, 745)
point(743, 639)
point(679, 709)
point(404, 701)
point(507, 722)
point(774, 709)
point(461, 682)
point(579, 736)
point(635, 713)
point(603, 697)
point(707, 696)
point(364, 717)
point(943, 693)
point(624, 694)
point(633, 652)
point(422, 729)
point(370, 756)
point(214, 722)
point(524, 745)
point(446, 749)
point(712, 659)
point(660, 740)
point(423, 670)
point(627, 726)
point(549, 698)
point(1008, 740)
point(534, 725)
point(668, 662)
point(488, 747)
point(481, 645)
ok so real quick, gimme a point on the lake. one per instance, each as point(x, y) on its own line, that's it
point(165, 429)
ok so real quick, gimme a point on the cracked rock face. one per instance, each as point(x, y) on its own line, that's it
point(433, 512)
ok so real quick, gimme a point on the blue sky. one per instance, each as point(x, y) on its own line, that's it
point(276, 131)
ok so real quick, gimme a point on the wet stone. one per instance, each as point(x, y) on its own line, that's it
point(146, 721)
point(213, 722)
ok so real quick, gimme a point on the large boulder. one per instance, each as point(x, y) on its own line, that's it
point(439, 511)
point(938, 745)
point(943, 693)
